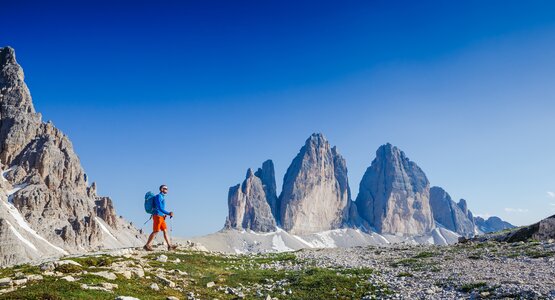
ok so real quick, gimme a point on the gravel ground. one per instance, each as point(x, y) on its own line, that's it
point(473, 270)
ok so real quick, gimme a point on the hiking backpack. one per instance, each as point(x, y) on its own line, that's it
point(149, 203)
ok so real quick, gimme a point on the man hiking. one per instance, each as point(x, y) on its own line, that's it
point(159, 218)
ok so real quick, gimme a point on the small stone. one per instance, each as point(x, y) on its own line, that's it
point(48, 266)
point(34, 277)
point(139, 272)
point(7, 281)
point(106, 275)
point(172, 298)
point(109, 286)
point(162, 258)
point(126, 274)
point(66, 262)
point(68, 278)
point(126, 298)
point(210, 284)
point(155, 287)
point(166, 281)
point(182, 273)
point(484, 294)
point(20, 281)
point(177, 260)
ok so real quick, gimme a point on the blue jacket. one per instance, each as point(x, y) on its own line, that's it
point(160, 205)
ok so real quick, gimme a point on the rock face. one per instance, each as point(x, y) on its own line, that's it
point(268, 177)
point(394, 195)
point(492, 224)
point(51, 207)
point(453, 216)
point(248, 203)
point(315, 195)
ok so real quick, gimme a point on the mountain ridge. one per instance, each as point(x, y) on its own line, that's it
point(48, 206)
point(394, 196)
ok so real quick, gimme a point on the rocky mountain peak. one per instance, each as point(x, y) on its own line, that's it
point(52, 210)
point(394, 194)
point(268, 178)
point(7, 57)
point(449, 214)
point(248, 204)
point(14, 94)
point(463, 206)
point(250, 173)
point(315, 195)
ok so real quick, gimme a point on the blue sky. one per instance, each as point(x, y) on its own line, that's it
point(193, 93)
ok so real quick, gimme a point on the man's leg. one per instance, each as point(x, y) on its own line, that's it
point(165, 231)
point(151, 237)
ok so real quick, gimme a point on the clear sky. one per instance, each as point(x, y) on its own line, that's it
point(191, 94)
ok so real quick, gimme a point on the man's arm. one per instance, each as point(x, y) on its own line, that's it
point(160, 206)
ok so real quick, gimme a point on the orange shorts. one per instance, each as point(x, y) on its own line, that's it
point(159, 223)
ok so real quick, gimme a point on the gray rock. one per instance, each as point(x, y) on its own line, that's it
point(249, 207)
point(21, 281)
point(155, 287)
point(453, 216)
point(315, 195)
point(105, 274)
point(268, 178)
point(162, 258)
point(34, 277)
point(6, 282)
point(61, 213)
point(394, 195)
point(68, 278)
point(492, 224)
point(546, 230)
point(543, 230)
point(126, 298)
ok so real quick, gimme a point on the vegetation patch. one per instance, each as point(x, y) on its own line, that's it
point(469, 287)
point(405, 274)
point(69, 268)
point(94, 261)
point(425, 254)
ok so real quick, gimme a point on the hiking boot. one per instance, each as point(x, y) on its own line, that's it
point(148, 248)
point(172, 247)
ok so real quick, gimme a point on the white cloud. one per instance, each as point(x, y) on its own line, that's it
point(551, 194)
point(515, 210)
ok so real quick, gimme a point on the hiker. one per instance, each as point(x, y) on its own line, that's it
point(159, 217)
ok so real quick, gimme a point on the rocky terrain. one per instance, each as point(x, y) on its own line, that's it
point(475, 270)
point(47, 206)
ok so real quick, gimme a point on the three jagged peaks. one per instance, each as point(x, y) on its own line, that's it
point(394, 197)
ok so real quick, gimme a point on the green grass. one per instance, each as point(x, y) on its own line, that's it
point(425, 254)
point(68, 268)
point(245, 271)
point(469, 287)
point(94, 261)
point(405, 274)
point(538, 253)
